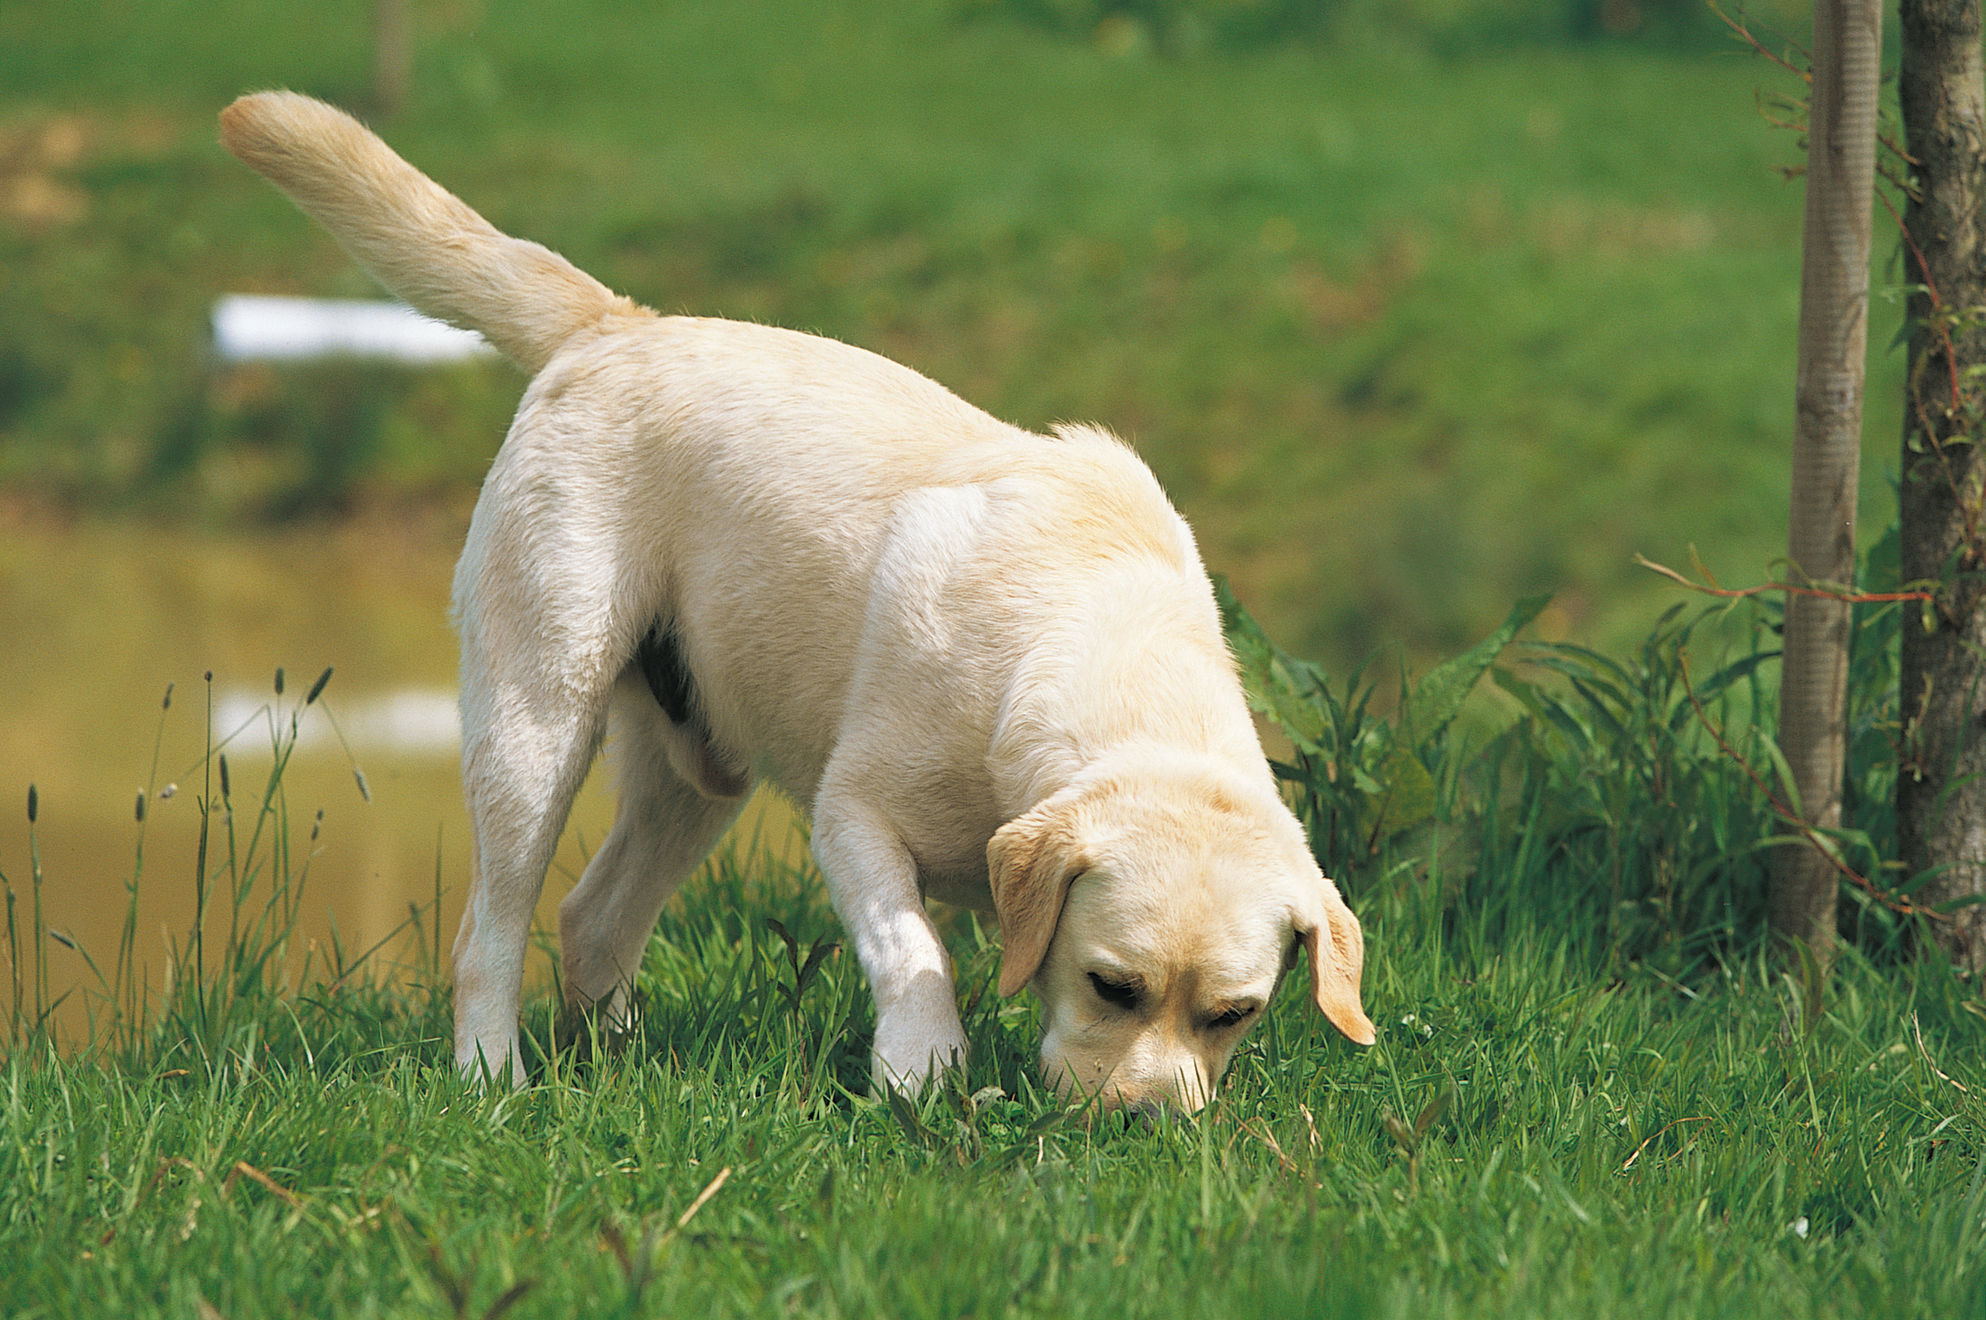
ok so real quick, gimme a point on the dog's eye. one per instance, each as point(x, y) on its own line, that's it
point(1234, 1017)
point(1119, 993)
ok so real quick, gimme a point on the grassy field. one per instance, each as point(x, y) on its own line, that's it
point(1539, 1132)
point(1413, 318)
point(1592, 1093)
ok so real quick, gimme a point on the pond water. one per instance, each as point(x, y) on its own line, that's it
point(99, 620)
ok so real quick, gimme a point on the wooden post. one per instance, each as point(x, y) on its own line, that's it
point(1827, 442)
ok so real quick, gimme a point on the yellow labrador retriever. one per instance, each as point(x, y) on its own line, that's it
point(987, 661)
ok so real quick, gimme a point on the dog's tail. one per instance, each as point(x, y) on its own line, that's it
point(415, 238)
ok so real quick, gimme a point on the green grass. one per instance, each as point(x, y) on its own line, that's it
point(1584, 1146)
point(1411, 325)
point(1408, 328)
point(1592, 1095)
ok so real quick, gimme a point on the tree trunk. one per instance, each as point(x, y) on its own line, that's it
point(1941, 787)
point(1827, 447)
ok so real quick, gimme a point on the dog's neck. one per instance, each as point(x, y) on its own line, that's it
point(1129, 675)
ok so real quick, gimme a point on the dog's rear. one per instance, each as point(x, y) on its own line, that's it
point(525, 747)
point(414, 236)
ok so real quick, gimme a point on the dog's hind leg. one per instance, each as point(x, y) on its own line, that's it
point(520, 776)
point(537, 673)
point(663, 828)
point(518, 814)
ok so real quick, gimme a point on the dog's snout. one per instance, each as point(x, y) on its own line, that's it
point(1184, 1090)
point(1183, 1100)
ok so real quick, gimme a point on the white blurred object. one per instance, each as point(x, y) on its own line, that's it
point(399, 722)
point(254, 328)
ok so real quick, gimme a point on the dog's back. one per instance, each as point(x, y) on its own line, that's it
point(738, 479)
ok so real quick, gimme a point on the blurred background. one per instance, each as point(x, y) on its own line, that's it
point(1415, 306)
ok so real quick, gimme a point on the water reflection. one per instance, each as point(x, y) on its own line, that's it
point(99, 620)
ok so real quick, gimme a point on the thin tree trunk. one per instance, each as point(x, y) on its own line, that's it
point(1941, 789)
point(1827, 441)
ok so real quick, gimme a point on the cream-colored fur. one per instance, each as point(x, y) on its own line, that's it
point(987, 661)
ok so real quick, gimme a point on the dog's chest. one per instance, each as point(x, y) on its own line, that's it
point(965, 886)
point(947, 840)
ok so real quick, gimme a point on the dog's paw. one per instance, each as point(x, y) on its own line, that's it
point(909, 1054)
point(585, 1028)
point(475, 1069)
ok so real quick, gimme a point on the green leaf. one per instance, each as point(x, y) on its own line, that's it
point(1597, 703)
point(1524, 693)
point(1253, 651)
point(1812, 985)
point(1924, 877)
point(1297, 712)
point(1436, 1107)
point(1437, 699)
point(1562, 718)
point(1406, 794)
point(1958, 904)
point(1714, 686)
point(1287, 690)
point(1403, 1136)
point(1784, 774)
point(1591, 677)
point(904, 1111)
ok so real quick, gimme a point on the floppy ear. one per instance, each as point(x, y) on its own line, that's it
point(1030, 862)
point(1337, 958)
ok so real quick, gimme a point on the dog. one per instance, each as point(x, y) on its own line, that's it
point(988, 662)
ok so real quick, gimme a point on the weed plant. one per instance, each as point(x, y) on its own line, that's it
point(1644, 789)
point(237, 957)
point(1592, 1095)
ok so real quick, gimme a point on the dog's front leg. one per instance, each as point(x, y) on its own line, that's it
point(873, 883)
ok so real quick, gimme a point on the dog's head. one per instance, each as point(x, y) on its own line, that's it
point(1155, 914)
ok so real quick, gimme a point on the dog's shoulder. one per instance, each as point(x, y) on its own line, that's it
point(1092, 494)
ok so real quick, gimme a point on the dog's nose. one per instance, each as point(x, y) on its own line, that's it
point(1185, 1090)
point(1187, 1095)
point(1149, 1109)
